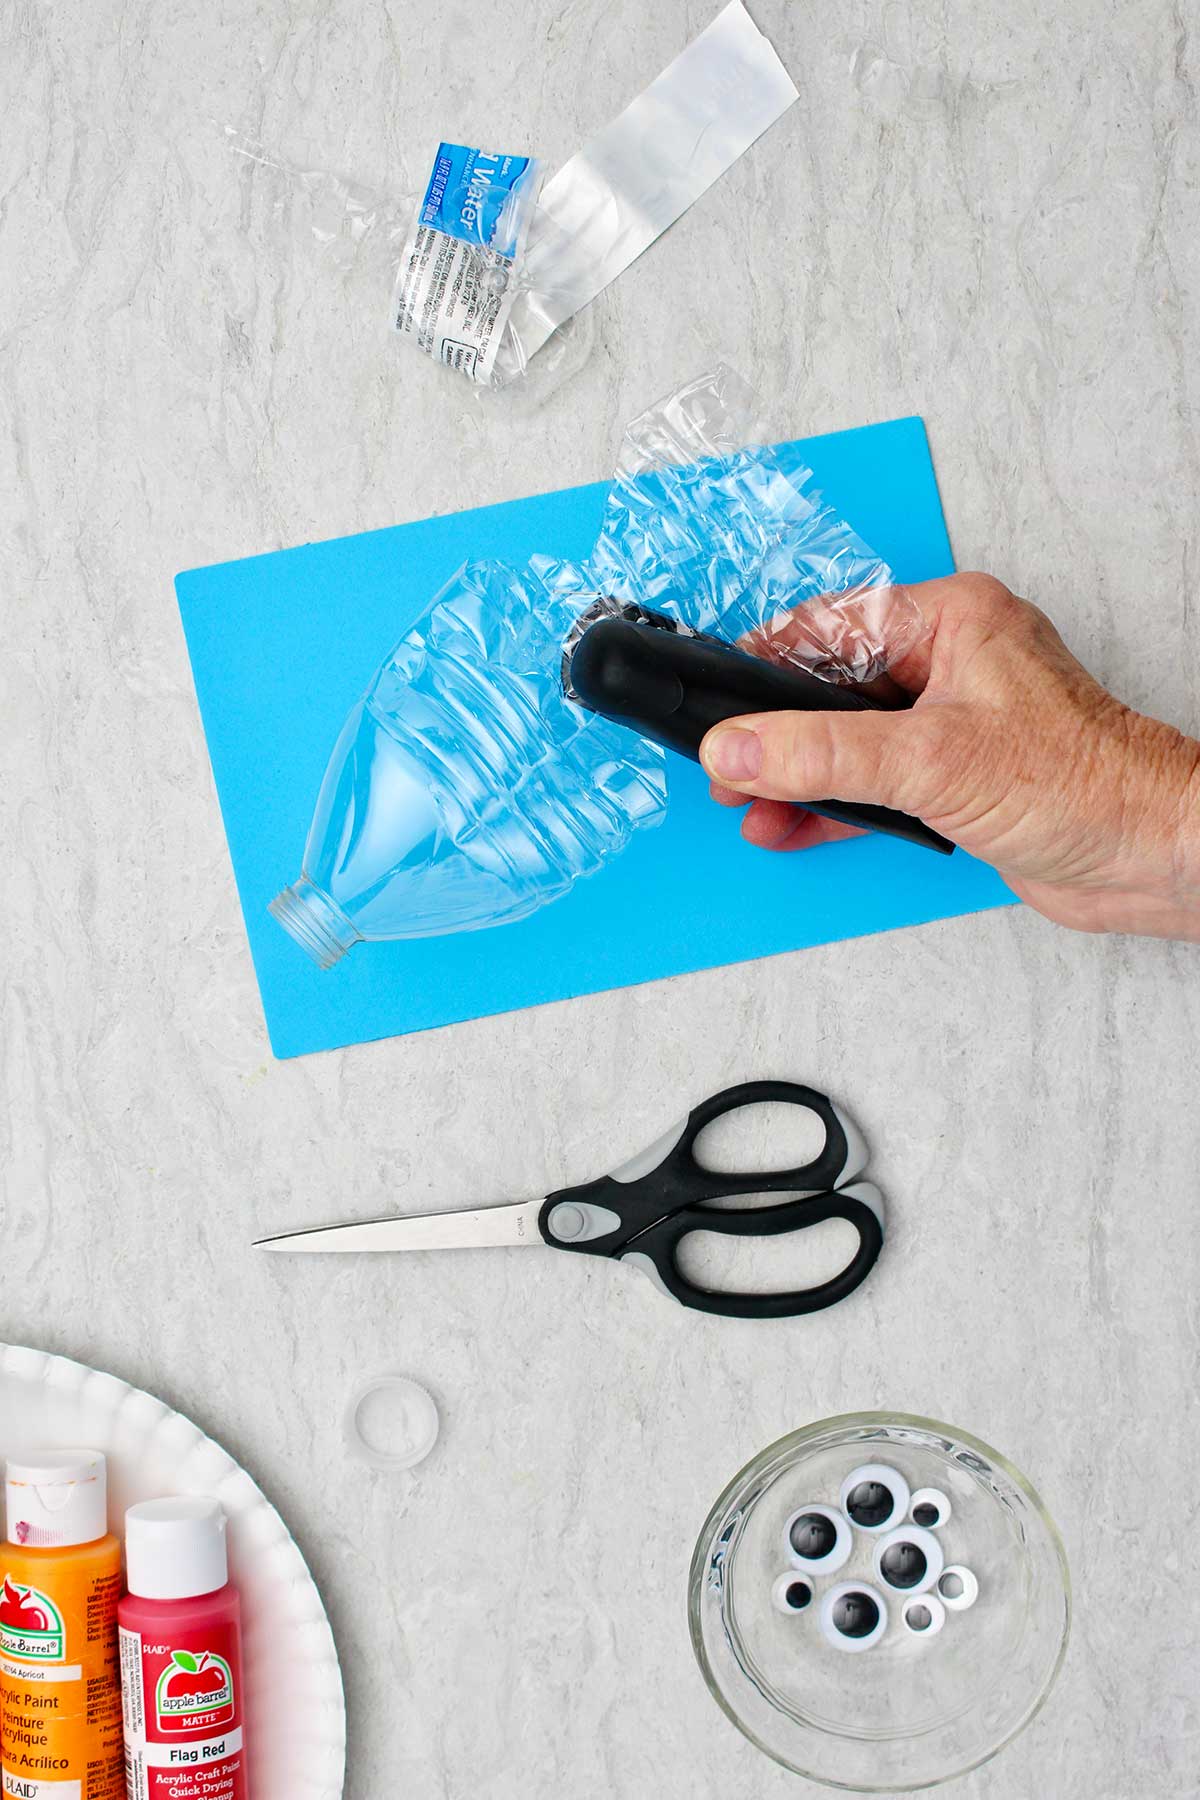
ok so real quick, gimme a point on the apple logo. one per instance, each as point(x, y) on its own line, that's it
point(19, 1612)
point(192, 1685)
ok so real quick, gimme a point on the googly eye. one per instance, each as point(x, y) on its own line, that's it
point(908, 1559)
point(923, 1615)
point(930, 1508)
point(791, 1593)
point(874, 1497)
point(957, 1587)
point(817, 1539)
point(853, 1616)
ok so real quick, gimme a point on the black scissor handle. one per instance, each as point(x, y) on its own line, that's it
point(842, 1155)
point(657, 1252)
point(644, 1209)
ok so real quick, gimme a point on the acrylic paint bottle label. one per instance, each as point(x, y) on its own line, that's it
point(183, 1714)
point(60, 1712)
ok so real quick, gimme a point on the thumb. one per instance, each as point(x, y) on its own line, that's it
point(813, 756)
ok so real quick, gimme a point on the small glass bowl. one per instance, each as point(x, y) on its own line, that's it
point(912, 1711)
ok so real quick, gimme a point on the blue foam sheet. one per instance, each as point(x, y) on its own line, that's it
point(282, 645)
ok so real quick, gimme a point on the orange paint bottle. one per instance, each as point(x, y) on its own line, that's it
point(60, 1683)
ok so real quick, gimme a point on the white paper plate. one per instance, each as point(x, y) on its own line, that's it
point(295, 1709)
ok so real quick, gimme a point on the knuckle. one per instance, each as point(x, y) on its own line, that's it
point(1007, 614)
point(988, 597)
point(796, 757)
point(986, 586)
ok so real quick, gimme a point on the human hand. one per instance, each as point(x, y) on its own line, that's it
point(1089, 811)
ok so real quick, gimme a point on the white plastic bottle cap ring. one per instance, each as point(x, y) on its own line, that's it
point(391, 1422)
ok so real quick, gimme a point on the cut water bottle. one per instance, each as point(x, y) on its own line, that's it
point(468, 788)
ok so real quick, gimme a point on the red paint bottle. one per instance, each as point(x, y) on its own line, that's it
point(181, 1655)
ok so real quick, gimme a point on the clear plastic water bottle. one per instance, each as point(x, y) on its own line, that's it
point(465, 790)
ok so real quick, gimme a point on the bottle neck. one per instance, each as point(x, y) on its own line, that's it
point(223, 1603)
point(316, 922)
point(57, 1552)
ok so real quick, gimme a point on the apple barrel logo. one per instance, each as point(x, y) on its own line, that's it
point(194, 1693)
point(31, 1626)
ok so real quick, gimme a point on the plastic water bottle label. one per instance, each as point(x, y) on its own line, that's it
point(478, 196)
point(455, 287)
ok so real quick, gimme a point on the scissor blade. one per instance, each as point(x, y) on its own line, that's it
point(488, 1227)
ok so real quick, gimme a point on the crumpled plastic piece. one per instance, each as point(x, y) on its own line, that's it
point(494, 264)
point(706, 524)
point(467, 788)
point(363, 237)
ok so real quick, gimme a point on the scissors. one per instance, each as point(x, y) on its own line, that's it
point(643, 1211)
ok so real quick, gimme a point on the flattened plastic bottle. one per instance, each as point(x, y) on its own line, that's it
point(465, 790)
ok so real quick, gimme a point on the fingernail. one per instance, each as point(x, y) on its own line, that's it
point(734, 755)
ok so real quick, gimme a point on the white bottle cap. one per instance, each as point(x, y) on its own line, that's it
point(391, 1422)
point(175, 1549)
point(57, 1497)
